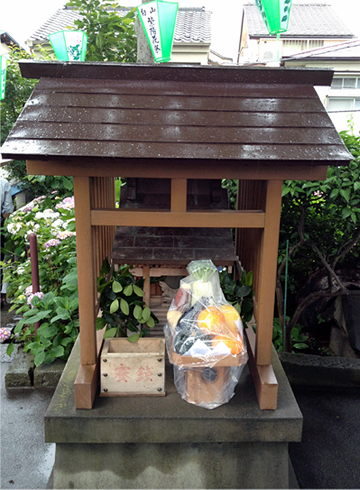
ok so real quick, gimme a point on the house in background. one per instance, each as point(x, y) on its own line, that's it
point(311, 26)
point(6, 42)
point(342, 99)
point(192, 36)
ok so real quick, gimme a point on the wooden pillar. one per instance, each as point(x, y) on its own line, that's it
point(178, 195)
point(86, 285)
point(267, 277)
point(146, 276)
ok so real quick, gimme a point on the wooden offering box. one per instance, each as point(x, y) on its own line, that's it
point(132, 368)
point(207, 385)
point(206, 382)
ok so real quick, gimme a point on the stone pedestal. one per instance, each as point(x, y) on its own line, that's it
point(151, 442)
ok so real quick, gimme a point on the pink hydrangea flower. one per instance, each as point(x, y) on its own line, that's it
point(52, 243)
point(39, 199)
point(30, 297)
point(67, 203)
point(28, 290)
point(65, 234)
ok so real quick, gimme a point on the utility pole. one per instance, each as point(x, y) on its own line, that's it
point(144, 54)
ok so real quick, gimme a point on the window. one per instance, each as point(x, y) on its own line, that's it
point(345, 83)
point(337, 83)
point(350, 82)
point(343, 104)
point(336, 105)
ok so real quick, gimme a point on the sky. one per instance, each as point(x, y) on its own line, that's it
point(20, 18)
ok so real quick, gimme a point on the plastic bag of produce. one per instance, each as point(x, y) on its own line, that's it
point(204, 338)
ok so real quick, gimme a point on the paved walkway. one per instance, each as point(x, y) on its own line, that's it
point(329, 454)
point(26, 460)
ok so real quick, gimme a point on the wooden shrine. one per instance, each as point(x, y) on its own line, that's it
point(98, 121)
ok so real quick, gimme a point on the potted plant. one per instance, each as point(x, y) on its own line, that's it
point(131, 364)
point(123, 309)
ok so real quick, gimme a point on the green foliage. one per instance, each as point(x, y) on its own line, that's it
point(239, 293)
point(231, 186)
point(332, 215)
point(299, 340)
point(321, 221)
point(111, 37)
point(56, 304)
point(122, 305)
point(59, 328)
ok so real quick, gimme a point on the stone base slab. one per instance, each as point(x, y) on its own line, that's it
point(165, 442)
point(216, 465)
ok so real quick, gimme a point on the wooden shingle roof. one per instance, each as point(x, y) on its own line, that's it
point(106, 111)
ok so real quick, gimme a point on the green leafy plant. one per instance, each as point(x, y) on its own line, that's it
point(231, 186)
point(299, 340)
point(239, 293)
point(121, 303)
point(111, 36)
point(52, 219)
point(321, 221)
point(59, 323)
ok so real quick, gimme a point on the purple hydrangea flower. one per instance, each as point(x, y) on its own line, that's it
point(4, 334)
point(52, 243)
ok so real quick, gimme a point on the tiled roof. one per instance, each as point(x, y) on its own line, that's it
point(306, 20)
point(345, 50)
point(57, 22)
point(193, 25)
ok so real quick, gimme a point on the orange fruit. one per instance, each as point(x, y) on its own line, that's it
point(211, 320)
point(231, 316)
point(234, 343)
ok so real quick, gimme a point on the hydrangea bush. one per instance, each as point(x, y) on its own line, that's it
point(55, 306)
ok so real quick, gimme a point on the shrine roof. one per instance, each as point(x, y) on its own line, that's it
point(110, 111)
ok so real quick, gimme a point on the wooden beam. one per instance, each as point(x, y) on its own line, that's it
point(85, 267)
point(159, 271)
point(195, 219)
point(265, 382)
point(267, 278)
point(179, 169)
